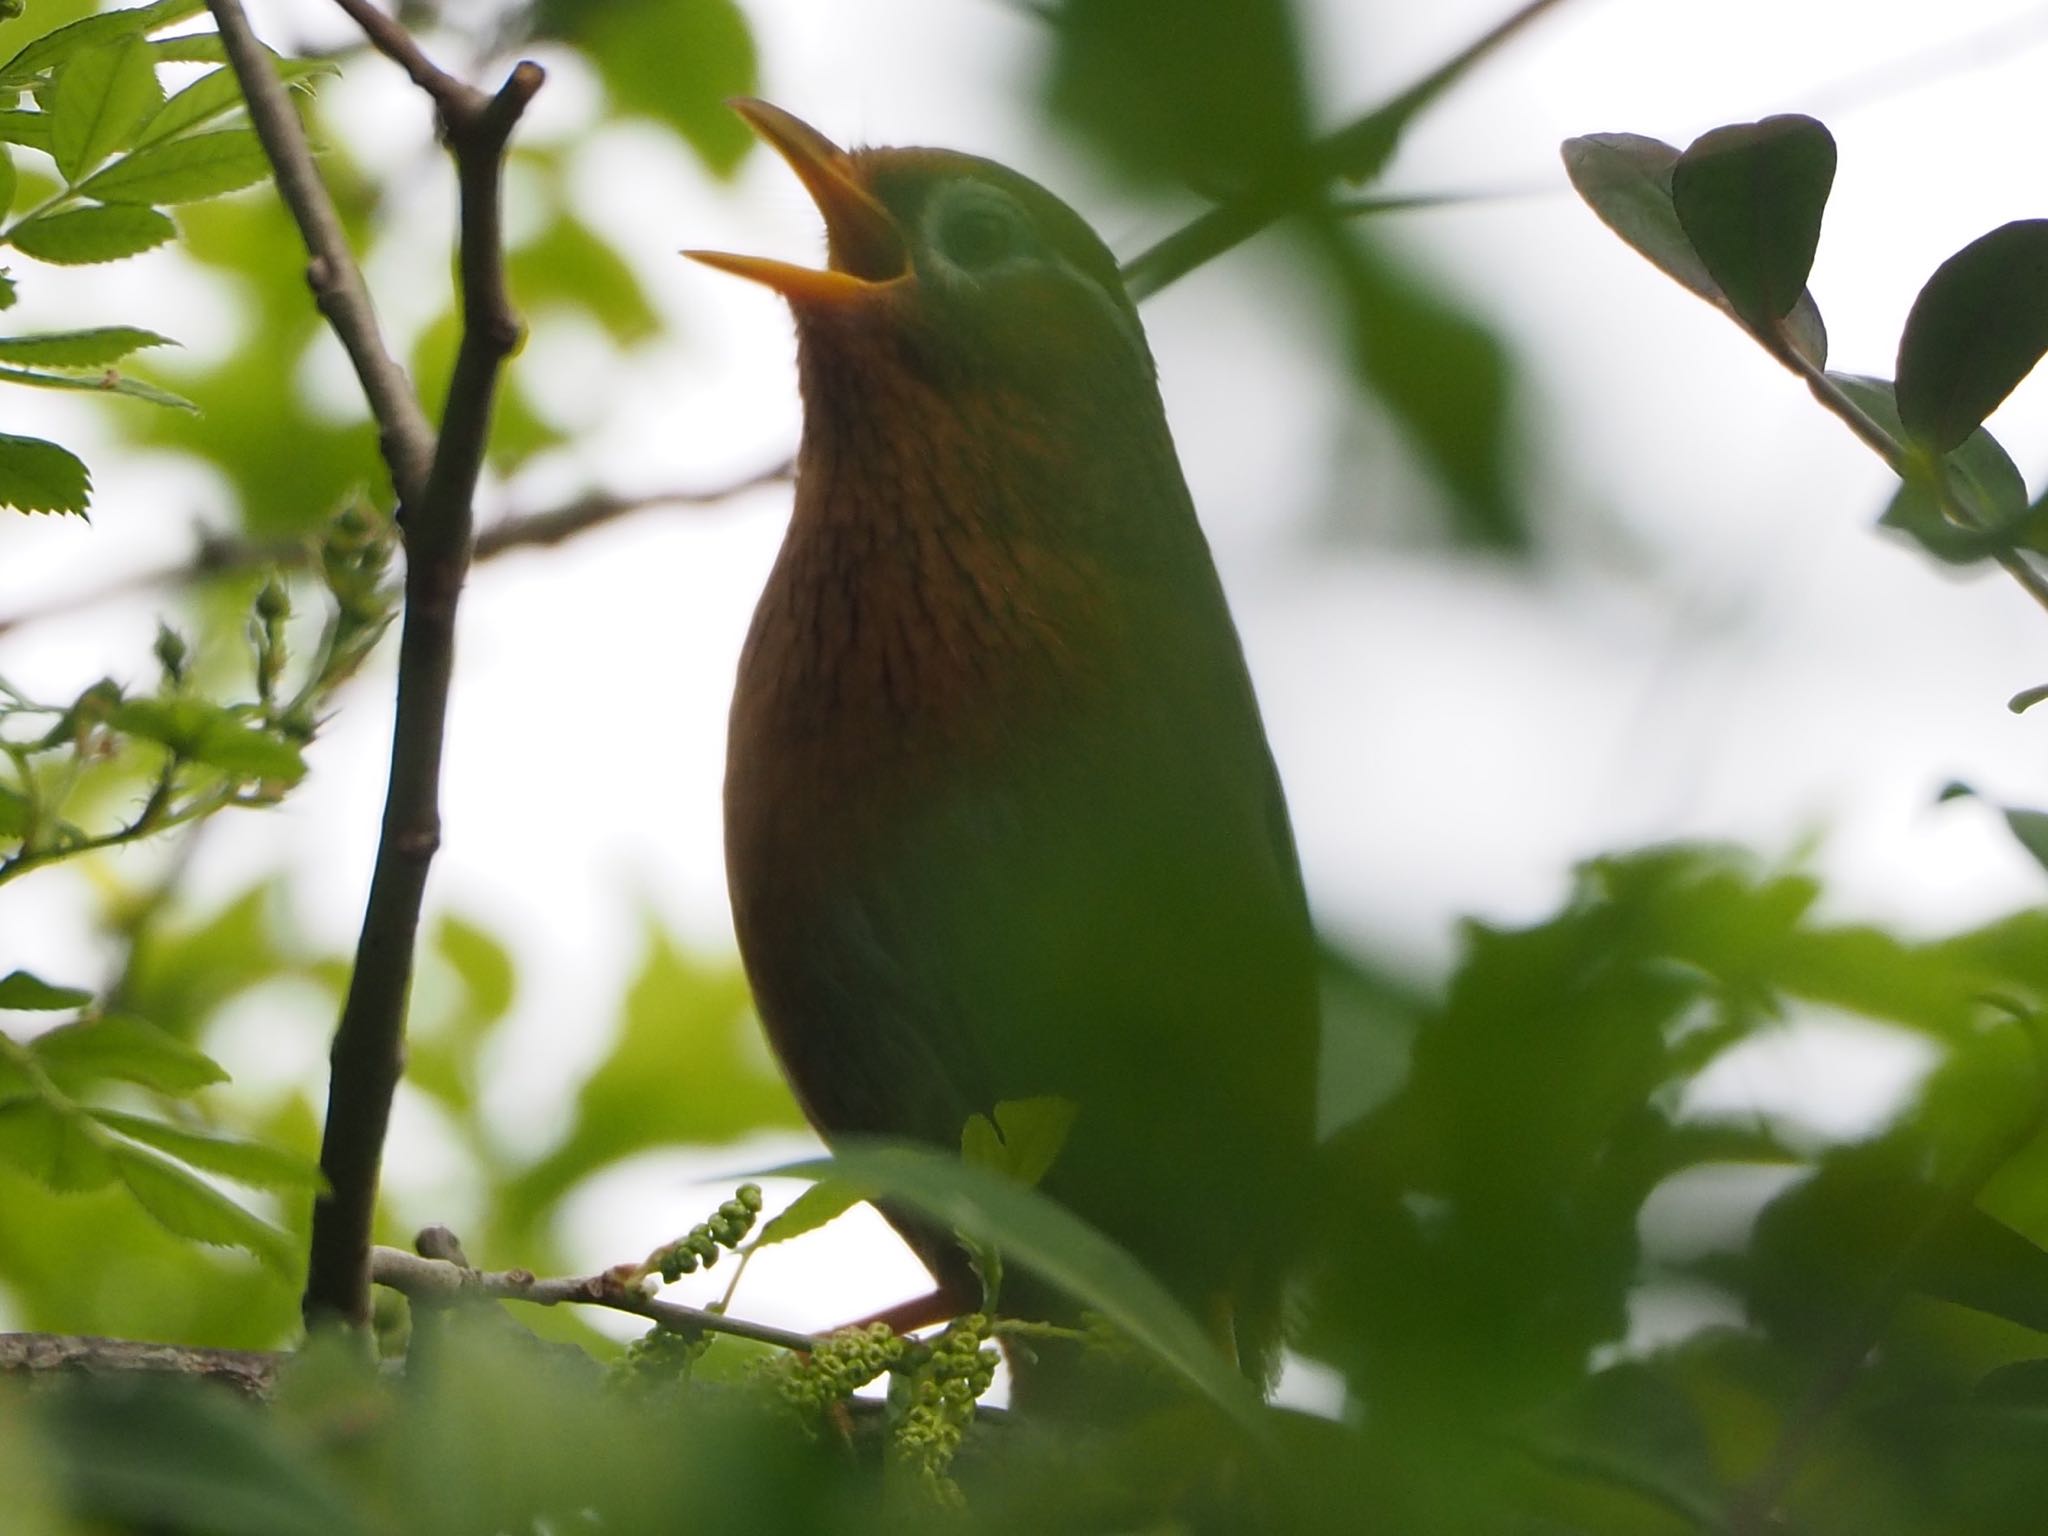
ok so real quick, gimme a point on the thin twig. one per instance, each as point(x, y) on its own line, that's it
point(367, 1059)
point(560, 524)
point(225, 554)
point(1356, 152)
point(454, 97)
point(1834, 399)
point(439, 1279)
point(343, 298)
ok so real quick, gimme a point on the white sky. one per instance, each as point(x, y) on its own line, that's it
point(1724, 650)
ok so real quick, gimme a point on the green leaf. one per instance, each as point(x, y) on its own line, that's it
point(183, 170)
point(52, 48)
point(53, 1144)
point(1625, 178)
point(823, 1202)
point(1024, 1140)
point(18, 989)
point(1034, 1233)
point(1980, 475)
point(675, 60)
point(687, 1067)
point(177, 1455)
point(2031, 829)
point(1750, 198)
point(190, 48)
point(213, 94)
point(109, 382)
point(36, 476)
point(79, 349)
point(484, 965)
point(208, 733)
point(101, 98)
point(118, 1047)
point(1978, 327)
point(246, 1162)
point(87, 235)
point(7, 182)
point(189, 1206)
point(27, 128)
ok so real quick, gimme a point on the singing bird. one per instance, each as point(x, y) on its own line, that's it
point(1001, 819)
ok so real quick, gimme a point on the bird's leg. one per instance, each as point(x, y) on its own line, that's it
point(940, 1305)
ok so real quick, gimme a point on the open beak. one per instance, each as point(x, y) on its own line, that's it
point(864, 247)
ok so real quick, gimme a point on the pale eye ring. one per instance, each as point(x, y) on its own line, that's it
point(977, 235)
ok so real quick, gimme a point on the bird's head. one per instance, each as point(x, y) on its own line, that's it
point(960, 264)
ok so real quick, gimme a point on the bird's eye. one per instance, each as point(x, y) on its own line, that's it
point(978, 235)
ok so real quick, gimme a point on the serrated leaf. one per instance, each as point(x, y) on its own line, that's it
point(20, 990)
point(118, 1047)
point(36, 476)
point(190, 48)
point(186, 1204)
point(185, 170)
point(109, 382)
point(1750, 198)
point(1035, 1233)
point(1977, 328)
point(79, 349)
point(87, 235)
point(213, 94)
point(52, 48)
point(246, 1162)
point(53, 1144)
point(823, 1202)
point(207, 733)
point(102, 95)
point(1625, 178)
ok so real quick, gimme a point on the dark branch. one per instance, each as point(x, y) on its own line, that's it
point(1357, 152)
point(368, 1056)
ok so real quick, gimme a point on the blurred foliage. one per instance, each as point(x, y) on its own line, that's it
point(1510, 1337)
point(1227, 107)
point(1480, 1278)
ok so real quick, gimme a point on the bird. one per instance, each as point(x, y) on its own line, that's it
point(1001, 817)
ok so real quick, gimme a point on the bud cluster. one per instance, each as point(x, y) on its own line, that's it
point(727, 1228)
point(940, 1397)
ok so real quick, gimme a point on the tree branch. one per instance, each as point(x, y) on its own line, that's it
point(432, 1279)
point(250, 1372)
point(343, 298)
point(436, 476)
point(1356, 152)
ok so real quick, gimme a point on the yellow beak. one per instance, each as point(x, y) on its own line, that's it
point(864, 246)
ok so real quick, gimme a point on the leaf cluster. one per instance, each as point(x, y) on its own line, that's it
point(1736, 218)
point(88, 99)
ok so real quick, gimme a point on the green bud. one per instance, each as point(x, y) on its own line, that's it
point(171, 653)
